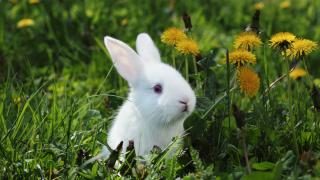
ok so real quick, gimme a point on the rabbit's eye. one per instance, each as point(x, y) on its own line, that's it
point(157, 88)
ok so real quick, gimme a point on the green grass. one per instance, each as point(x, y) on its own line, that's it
point(59, 91)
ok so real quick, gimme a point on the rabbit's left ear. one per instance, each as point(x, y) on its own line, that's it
point(126, 61)
point(146, 48)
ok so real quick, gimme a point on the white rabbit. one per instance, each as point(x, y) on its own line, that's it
point(159, 101)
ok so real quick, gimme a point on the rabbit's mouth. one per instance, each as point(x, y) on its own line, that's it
point(185, 109)
point(184, 113)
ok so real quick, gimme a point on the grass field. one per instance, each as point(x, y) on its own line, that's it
point(59, 91)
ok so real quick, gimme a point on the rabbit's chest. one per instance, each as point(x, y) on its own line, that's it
point(156, 136)
point(130, 126)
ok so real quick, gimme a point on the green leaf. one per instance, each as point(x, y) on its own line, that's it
point(93, 113)
point(306, 136)
point(170, 169)
point(258, 175)
point(277, 171)
point(232, 125)
point(195, 125)
point(263, 166)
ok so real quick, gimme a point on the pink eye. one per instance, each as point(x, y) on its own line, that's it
point(157, 88)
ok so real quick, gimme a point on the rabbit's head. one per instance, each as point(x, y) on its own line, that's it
point(157, 90)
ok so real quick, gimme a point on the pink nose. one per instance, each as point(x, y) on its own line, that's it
point(184, 102)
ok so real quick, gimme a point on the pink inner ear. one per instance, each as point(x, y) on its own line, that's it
point(125, 60)
point(126, 70)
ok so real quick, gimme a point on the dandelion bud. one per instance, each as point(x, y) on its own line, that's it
point(187, 21)
point(198, 57)
point(114, 155)
point(255, 23)
point(238, 115)
point(129, 159)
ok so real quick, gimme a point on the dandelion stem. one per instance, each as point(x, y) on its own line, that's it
point(245, 150)
point(195, 66)
point(196, 72)
point(290, 105)
point(277, 80)
point(173, 59)
point(228, 86)
point(187, 68)
point(216, 102)
point(308, 74)
point(310, 91)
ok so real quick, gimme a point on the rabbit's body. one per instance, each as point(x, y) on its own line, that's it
point(159, 100)
point(130, 126)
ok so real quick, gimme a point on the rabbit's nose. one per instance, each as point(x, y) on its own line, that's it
point(184, 102)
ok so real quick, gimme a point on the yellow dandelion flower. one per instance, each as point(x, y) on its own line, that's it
point(297, 73)
point(239, 57)
point(249, 81)
point(258, 5)
point(301, 47)
point(285, 4)
point(25, 23)
point(247, 41)
point(34, 1)
point(124, 22)
point(172, 36)
point(188, 46)
point(282, 40)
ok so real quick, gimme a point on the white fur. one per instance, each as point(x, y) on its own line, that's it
point(146, 117)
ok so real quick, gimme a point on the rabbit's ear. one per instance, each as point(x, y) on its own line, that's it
point(126, 61)
point(146, 48)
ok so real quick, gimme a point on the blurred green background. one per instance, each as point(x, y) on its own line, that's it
point(68, 33)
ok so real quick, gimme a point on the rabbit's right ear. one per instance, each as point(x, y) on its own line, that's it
point(146, 48)
point(126, 61)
